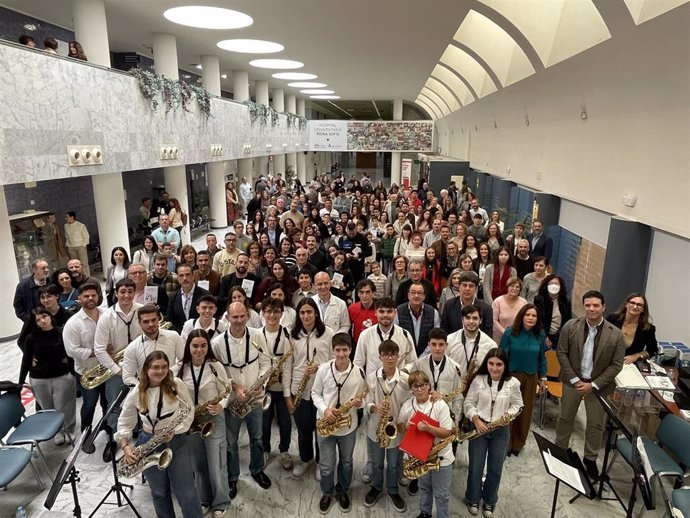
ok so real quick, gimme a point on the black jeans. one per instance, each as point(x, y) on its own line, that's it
point(279, 408)
point(305, 421)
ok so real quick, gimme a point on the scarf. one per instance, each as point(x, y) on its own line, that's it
point(498, 287)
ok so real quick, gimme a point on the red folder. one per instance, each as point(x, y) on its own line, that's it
point(415, 443)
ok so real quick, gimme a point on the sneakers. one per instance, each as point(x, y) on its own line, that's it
point(413, 488)
point(267, 458)
point(398, 502)
point(219, 513)
point(590, 467)
point(301, 468)
point(488, 511)
point(286, 461)
point(325, 504)
point(371, 497)
point(403, 481)
point(473, 509)
point(205, 508)
point(365, 476)
point(59, 439)
point(317, 474)
point(344, 502)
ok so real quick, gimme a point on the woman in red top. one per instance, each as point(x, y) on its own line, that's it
point(432, 270)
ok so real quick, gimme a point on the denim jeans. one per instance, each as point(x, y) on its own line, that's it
point(112, 388)
point(278, 407)
point(393, 466)
point(327, 446)
point(210, 461)
point(90, 398)
point(254, 422)
point(305, 422)
point(489, 449)
point(435, 487)
point(177, 479)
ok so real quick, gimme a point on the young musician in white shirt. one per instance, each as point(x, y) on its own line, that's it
point(385, 384)
point(207, 307)
point(469, 344)
point(493, 393)
point(206, 380)
point(156, 402)
point(336, 383)
point(434, 487)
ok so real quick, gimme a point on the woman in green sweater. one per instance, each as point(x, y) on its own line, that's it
point(524, 344)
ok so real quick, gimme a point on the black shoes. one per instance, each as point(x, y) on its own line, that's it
point(513, 452)
point(413, 488)
point(233, 489)
point(262, 480)
point(344, 502)
point(591, 468)
point(371, 497)
point(398, 502)
point(325, 504)
point(108, 451)
point(423, 515)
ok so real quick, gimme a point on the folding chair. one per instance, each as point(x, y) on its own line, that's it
point(553, 386)
point(12, 463)
point(680, 501)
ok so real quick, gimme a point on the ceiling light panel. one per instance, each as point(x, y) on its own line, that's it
point(281, 64)
point(294, 76)
point(324, 97)
point(250, 46)
point(204, 17)
point(317, 92)
point(304, 84)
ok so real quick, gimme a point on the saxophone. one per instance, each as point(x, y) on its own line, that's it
point(471, 369)
point(386, 430)
point(145, 452)
point(303, 382)
point(343, 419)
point(496, 423)
point(199, 425)
point(241, 409)
point(99, 374)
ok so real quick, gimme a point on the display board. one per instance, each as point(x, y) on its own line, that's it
point(334, 135)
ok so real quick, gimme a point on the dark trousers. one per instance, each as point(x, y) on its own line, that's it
point(90, 398)
point(279, 408)
point(305, 421)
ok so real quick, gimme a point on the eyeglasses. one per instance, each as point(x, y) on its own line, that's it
point(137, 273)
point(389, 356)
point(419, 387)
point(272, 311)
point(636, 304)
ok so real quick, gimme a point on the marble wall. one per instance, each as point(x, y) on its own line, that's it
point(50, 103)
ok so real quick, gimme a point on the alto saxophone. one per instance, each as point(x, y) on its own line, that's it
point(304, 381)
point(496, 423)
point(343, 419)
point(386, 430)
point(145, 452)
point(241, 408)
point(471, 369)
point(99, 374)
point(199, 425)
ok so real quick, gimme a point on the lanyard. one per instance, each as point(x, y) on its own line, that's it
point(158, 413)
point(489, 382)
point(386, 394)
point(440, 370)
point(420, 410)
point(197, 381)
point(468, 358)
point(128, 324)
point(210, 332)
point(246, 352)
point(339, 386)
point(390, 333)
point(278, 338)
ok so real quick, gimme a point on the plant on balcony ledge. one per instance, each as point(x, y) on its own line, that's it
point(274, 117)
point(174, 93)
point(253, 110)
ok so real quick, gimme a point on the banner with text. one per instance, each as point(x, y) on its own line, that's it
point(333, 135)
point(327, 135)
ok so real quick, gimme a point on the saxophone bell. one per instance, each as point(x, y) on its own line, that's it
point(390, 431)
point(204, 429)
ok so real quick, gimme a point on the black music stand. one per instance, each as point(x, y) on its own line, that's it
point(68, 474)
point(117, 487)
point(642, 474)
point(566, 467)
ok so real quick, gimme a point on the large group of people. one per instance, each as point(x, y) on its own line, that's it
point(332, 305)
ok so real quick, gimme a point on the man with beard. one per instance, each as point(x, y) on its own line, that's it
point(451, 319)
point(241, 277)
point(356, 248)
point(204, 276)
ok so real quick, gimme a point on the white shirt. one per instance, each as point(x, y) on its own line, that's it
point(379, 386)
point(444, 377)
point(367, 351)
point(152, 421)
point(216, 327)
point(210, 386)
point(438, 411)
point(245, 191)
point(308, 347)
point(334, 313)
point(287, 320)
point(325, 392)
point(78, 337)
point(275, 344)
point(244, 364)
point(167, 341)
point(112, 328)
point(471, 350)
point(488, 402)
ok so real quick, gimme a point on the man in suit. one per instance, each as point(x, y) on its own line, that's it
point(540, 243)
point(451, 319)
point(414, 271)
point(591, 352)
point(416, 317)
point(137, 273)
point(273, 231)
point(184, 301)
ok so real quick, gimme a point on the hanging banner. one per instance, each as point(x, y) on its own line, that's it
point(406, 170)
point(336, 135)
point(327, 135)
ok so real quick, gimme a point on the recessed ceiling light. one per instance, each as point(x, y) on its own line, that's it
point(285, 64)
point(324, 97)
point(304, 84)
point(317, 91)
point(224, 76)
point(294, 76)
point(205, 17)
point(250, 46)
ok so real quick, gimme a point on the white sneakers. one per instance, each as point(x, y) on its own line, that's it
point(286, 461)
point(300, 468)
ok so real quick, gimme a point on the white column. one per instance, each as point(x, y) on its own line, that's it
point(261, 89)
point(210, 74)
point(302, 172)
point(91, 30)
point(10, 325)
point(216, 194)
point(279, 106)
point(396, 156)
point(175, 178)
point(291, 107)
point(111, 214)
point(165, 55)
point(240, 85)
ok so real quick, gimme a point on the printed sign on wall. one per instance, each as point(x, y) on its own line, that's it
point(326, 135)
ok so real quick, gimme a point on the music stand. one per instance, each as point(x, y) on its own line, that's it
point(68, 474)
point(89, 447)
point(565, 466)
point(642, 475)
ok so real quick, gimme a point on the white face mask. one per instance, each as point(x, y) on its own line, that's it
point(553, 289)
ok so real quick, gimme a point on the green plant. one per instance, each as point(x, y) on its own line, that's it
point(274, 117)
point(174, 93)
point(290, 175)
point(253, 110)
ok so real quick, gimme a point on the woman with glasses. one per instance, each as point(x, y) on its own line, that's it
point(640, 334)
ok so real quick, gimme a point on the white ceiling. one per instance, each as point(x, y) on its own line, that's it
point(363, 49)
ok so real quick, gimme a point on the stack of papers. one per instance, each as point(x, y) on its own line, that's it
point(660, 382)
point(630, 377)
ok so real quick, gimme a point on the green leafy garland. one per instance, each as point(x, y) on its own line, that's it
point(175, 94)
point(253, 110)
